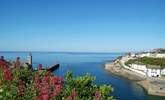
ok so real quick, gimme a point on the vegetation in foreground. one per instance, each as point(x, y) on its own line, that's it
point(22, 83)
point(160, 62)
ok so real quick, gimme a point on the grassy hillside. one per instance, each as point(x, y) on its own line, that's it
point(150, 62)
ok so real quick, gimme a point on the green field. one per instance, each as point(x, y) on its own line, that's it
point(150, 62)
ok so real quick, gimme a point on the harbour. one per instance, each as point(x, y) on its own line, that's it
point(92, 63)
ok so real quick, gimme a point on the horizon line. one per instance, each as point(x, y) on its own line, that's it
point(35, 51)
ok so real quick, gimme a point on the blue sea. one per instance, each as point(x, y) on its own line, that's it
point(92, 63)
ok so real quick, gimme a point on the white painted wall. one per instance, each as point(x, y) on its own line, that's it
point(134, 70)
point(163, 71)
point(144, 55)
point(154, 72)
point(142, 69)
point(139, 67)
point(133, 55)
point(160, 55)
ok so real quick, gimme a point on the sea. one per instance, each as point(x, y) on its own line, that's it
point(81, 63)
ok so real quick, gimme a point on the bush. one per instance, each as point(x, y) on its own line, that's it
point(21, 83)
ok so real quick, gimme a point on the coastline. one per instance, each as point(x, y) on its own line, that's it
point(120, 71)
point(151, 86)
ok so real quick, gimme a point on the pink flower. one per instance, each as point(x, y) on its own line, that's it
point(74, 93)
point(58, 88)
point(98, 95)
point(6, 74)
point(2, 63)
point(44, 89)
point(37, 80)
point(69, 98)
point(56, 80)
point(53, 80)
point(54, 94)
point(61, 79)
point(40, 67)
point(45, 97)
point(21, 88)
point(36, 98)
point(45, 79)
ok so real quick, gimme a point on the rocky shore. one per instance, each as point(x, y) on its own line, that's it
point(153, 86)
point(119, 70)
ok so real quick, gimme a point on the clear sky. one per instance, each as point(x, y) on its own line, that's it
point(82, 25)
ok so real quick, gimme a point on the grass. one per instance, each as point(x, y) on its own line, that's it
point(150, 62)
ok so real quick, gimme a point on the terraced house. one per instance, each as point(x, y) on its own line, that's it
point(148, 64)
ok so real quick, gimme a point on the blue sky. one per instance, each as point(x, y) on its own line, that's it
point(82, 25)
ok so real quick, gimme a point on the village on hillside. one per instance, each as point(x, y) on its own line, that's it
point(150, 64)
point(145, 68)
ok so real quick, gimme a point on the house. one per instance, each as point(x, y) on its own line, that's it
point(147, 70)
point(150, 71)
point(160, 55)
point(146, 55)
point(163, 71)
point(138, 67)
point(154, 55)
point(153, 72)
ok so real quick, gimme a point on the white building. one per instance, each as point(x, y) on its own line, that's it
point(153, 72)
point(159, 55)
point(154, 55)
point(163, 71)
point(144, 55)
point(138, 67)
point(149, 71)
point(133, 55)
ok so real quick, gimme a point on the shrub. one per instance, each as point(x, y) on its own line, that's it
point(21, 83)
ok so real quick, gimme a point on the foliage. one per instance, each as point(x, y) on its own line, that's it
point(85, 88)
point(147, 61)
point(21, 83)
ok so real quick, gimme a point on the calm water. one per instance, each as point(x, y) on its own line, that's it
point(81, 63)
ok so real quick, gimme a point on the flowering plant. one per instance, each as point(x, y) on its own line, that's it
point(22, 83)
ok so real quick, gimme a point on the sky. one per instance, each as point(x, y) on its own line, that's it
point(82, 25)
